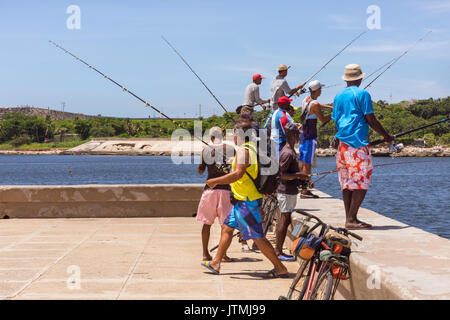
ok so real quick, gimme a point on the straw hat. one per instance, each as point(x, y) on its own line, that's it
point(282, 67)
point(353, 72)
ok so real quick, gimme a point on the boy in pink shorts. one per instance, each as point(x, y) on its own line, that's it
point(215, 202)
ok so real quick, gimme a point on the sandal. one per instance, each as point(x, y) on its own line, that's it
point(272, 274)
point(358, 226)
point(207, 265)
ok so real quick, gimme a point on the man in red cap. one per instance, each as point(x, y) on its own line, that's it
point(279, 120)
point(251, 96)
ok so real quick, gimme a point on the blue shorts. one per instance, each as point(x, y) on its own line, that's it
point(245, 217)
point(307, 149)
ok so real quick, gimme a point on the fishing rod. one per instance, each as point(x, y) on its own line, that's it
point(398, 58)
point(187, 64)
point(123, 88)
point(377, 165)
point(373, 143)
point(365, 78)
point(337, 54)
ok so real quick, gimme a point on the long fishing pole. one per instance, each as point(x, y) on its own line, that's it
point(365, 78)
point(123, 88)
point(413, 130)
point(337, 54)
point(398, 58)
point(377, 165)
point(187, 64)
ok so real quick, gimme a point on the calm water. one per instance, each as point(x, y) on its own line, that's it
point(416, 194)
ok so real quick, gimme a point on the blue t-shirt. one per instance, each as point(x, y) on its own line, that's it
point(349, 108)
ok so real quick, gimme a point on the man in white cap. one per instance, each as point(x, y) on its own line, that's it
point(353, 114)
point(311, 111)
point(280, 87)
point(251, 96)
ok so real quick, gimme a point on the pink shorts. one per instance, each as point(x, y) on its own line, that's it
point(214, 203)
point(354, 167)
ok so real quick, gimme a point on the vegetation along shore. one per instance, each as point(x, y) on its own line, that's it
point(24, 133)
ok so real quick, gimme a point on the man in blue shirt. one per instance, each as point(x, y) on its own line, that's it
point(353, 114)
point(279, 120)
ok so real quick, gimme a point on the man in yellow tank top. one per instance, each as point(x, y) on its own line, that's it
point(245, 214)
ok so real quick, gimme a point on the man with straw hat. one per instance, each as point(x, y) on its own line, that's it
point(353, 114)
point(280, 87)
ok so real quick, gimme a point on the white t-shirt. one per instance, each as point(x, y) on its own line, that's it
point(251, 96)
point(278, 89)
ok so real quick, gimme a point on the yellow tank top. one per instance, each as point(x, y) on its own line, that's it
point(245, 188)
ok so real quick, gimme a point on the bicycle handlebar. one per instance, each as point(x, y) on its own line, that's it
point(354, 235)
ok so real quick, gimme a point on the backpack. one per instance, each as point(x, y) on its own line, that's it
point(265, 182)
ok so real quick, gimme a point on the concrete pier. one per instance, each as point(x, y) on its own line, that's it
point(157, 255)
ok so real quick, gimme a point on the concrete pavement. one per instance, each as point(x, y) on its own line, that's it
point(124, 258)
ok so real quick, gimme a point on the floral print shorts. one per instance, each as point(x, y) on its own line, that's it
point(354, 166)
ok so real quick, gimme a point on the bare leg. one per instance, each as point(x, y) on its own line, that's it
point(206, 230)
point(347, 197)
point(281, 230)
point(357, 199)
point(224, 243)
point(266, 248)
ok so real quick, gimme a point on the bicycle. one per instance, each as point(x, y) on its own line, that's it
point(324, 269)
point(268, 209)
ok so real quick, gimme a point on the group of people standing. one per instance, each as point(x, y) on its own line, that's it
point(233, 196)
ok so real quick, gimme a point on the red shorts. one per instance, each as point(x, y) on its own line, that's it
point(354, 167)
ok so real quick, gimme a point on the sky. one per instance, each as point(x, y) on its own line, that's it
point(225, 42)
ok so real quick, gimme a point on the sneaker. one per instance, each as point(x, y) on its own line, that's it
point(286, 257)
point(245, 248)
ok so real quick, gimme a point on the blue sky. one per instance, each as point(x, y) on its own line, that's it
point(224, 41)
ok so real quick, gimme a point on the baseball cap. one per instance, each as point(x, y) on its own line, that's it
point(257, 76)
point(283, 100)
point(315, 85)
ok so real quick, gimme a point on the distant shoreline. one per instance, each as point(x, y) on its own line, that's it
point(437, 151)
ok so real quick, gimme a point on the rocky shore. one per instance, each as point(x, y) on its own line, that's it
point(165, 147)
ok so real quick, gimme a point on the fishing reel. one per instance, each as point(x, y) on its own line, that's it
point(396, 147)
point(224, 167)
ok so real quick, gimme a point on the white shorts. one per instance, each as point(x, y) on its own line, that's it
point(287, 202)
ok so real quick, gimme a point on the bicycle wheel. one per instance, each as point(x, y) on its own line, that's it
point(324, 285)
point(300, 282)
point(269, 212)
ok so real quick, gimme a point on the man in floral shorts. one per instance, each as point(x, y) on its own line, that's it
point(353, 114)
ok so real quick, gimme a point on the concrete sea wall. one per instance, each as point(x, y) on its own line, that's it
point(97, 201)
